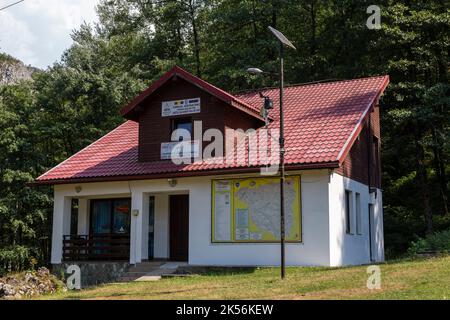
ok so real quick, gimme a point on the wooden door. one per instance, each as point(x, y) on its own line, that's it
point(179, 227)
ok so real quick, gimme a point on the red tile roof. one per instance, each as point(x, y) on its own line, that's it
point(321, 123)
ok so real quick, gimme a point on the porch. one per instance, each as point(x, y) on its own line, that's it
point(132, 228)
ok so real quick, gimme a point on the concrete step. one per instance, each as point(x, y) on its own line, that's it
point(136, 273)
point(153, 275)
point(149, 271)
point(148, 278)
point(142, 269)
point(160, 272)
point(150, 263)
point(127, 279)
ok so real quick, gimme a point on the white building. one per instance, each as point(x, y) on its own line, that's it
point(123, 198)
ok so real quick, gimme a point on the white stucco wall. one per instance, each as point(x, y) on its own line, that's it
point(313, 250)
point(324, 243)
point(378, 226)
point(348, 249)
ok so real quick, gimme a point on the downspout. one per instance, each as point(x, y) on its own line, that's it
point(369, 152)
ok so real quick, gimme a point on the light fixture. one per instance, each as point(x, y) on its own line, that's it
point(254, 71)
point(281, 37)
point(78, 189)
point(172, 182)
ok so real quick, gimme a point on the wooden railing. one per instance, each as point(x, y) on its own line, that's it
point(96, 247)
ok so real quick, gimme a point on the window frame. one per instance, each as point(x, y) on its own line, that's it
point(358, 213)
point(74, 217)
point(175, 121)
point(348, 206)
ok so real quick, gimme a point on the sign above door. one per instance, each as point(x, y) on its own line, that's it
point(181, 107)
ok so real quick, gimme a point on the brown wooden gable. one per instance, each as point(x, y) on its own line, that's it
point(364, 155)
point(155, 129)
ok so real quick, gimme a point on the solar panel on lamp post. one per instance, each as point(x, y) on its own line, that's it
point(283, 42)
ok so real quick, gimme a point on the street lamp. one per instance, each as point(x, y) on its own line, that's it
point(283, 42)
point(256, 71)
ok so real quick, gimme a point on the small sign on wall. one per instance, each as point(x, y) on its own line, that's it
point(180, 107)
point(180, 150)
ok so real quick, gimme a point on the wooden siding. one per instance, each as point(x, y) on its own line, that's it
point(355, 166)
point(155, 129)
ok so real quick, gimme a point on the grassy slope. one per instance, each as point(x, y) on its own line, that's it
point(420, 279)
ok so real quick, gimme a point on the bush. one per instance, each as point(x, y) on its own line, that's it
point(15, 258)
point(438, 242)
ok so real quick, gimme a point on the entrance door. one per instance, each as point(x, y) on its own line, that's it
point(179, 227)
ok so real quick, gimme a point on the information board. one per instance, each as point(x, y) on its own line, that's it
point(248, 210)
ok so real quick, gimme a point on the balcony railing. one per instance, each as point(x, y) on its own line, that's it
point(96, 247)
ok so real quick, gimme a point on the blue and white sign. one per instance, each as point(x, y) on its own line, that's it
point(181, 107)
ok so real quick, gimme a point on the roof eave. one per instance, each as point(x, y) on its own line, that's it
point(211, 172)
point(357, 130)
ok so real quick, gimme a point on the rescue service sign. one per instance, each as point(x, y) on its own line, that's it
point(180, 107)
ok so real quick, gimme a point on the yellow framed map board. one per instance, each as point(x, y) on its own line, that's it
point(248, 210)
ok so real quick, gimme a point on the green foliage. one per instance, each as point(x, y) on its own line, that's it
point(438, 242)
point(14, 258)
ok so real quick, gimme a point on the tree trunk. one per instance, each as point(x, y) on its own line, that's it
point(274, 14)
point(440, 172)
point(179, 51)
point(312, 11)
point(254, 19)
point(313, 41)
point(422, 180)
point(196, 39)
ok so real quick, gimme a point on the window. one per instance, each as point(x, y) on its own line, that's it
point(358, 213)
point(74, 217)
point(348, 211)
point(182, 123)
point(110, 216)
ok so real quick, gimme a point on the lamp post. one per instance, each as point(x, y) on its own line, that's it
point(283, 42)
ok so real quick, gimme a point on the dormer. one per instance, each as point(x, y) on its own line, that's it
point(178, 100)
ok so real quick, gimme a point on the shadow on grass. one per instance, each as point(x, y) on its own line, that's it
point(216, 271)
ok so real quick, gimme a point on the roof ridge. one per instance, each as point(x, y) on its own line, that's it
point(304, 84)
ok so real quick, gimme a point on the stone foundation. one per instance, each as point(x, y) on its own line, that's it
point(93, 273)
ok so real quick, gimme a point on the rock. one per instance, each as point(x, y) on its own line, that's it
point(8, 290)
point(13, 70)
point(27, 284)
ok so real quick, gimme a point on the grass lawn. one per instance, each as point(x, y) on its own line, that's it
point(405, 279)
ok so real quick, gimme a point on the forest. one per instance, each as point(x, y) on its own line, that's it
point(60, 110)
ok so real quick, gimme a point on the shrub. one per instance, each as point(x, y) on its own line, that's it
point(14, 258)
point(438, 242)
